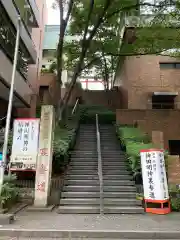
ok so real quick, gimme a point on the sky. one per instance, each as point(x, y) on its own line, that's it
point(53, 15)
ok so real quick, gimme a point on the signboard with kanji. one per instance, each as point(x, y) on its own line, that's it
point(25, 144)
point(154, 175)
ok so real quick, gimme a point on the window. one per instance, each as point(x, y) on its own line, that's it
point(174, 147)
point(162, 102)
point(169, 65)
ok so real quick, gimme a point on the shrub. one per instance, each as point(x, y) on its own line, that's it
point(88, 115)
point(64, 139)
point(10, 193)
point(132, 134)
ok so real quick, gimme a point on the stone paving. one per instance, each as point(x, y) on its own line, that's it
point(145, 222)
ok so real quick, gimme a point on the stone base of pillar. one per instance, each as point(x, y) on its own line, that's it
point(40, 209)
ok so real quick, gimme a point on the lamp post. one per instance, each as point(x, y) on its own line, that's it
point(8, 118)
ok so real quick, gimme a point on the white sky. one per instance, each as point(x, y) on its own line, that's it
point(53, 15)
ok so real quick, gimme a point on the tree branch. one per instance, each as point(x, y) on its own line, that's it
point(71, 3)
point(136, 54)
point(135, 6)
point(61, 9)
point(90, 63)
point(88, 20)
point(99, 21)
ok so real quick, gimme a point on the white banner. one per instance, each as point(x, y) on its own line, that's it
point(154, 175)
point(25, 144)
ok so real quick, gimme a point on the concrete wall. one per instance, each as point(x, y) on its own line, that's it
point(34, 70)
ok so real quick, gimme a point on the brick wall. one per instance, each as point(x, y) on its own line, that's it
point(140, 76)
point(53, 92)
point(110, 99)
point(166, 121)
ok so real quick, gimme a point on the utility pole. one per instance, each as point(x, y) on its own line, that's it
point(8, 118)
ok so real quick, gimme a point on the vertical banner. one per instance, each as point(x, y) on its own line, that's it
point(44, 161)
point(25, 144)
point(154, 175)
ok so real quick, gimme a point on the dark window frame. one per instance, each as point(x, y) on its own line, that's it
point(169, 65)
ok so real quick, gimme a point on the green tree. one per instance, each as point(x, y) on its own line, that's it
point(93, 23)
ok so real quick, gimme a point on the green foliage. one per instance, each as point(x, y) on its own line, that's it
point(133, 141)
point(51, 69)
point(133, 151)
point(152, 40)
point(9, 193)
point(64, 139)
point(154, 33)
point(77, 85)
point(132, 133)
point(174, 193)
point(88, 115)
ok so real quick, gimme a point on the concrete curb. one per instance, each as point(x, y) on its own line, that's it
point(6, 218)
point(107, 234)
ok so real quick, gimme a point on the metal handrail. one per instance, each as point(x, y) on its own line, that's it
point(2, 118)
point(100, 175)
point(75, 106)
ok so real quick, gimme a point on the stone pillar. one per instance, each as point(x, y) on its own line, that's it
point(158, 139)
point(173, 167)
point(44, 160)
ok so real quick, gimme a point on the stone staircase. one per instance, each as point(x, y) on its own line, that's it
point(81, 189)
point(119, 189)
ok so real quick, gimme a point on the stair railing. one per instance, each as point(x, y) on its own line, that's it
point(75, 106)
point(100, 175)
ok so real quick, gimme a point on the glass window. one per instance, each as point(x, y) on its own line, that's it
point(177, 65)
point(167, 65)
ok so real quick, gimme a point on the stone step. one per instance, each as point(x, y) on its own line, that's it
point(84, 154)
point(85, 151)
point(86, 143)
point(93, 149)
point(87, 137)
point(95, 176)
point(123, 210)
point(96, 195)
point(75, 188)
point(111, 154)
point(109, 233)
point(96, 201)
point(91, 172)
point(96, 209)
point(96, 182)
point(94, 167)
point(84, 162)
point(78, 209)
point(83, 158)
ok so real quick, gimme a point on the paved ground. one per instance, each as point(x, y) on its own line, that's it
point(146, 222)
point(64, 239)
